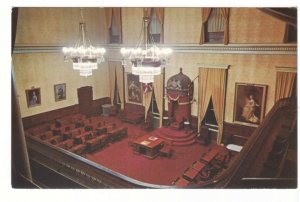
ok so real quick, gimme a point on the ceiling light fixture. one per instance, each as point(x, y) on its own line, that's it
point(84, 56)
point(147, 59)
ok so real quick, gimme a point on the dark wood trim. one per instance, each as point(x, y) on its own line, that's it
point(49, 116)
point(236, 133)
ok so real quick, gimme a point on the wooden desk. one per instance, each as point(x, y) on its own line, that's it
point(117, 133)
point(210, 156)
point(198, 166)
point(96, 143)
point(191, 174)
point(148, 146)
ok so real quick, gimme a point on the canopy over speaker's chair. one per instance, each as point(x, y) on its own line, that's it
point(180, 95)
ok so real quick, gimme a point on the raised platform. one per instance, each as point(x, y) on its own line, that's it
point(175, 138)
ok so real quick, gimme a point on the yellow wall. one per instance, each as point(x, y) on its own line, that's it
point(132, 23)
point(59, 26)
point(44, 71)
point(52, 26)
point(250, 25)
point(253, 69)
point(182, 25)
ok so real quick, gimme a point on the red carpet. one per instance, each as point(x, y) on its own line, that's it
point(161, 170)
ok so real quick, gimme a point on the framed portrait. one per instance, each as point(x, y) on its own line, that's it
point(134, 89)
point(33, 97)
point(249, 103)
point(60, 92)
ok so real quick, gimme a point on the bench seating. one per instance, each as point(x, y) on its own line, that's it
point(46, 135)
point(37, 130)
point(117, 134)
point(55, 140)
point(96, 143)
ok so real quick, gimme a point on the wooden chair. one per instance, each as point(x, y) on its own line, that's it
point(166, 151)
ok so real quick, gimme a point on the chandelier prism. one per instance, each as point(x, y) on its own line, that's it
point(83, 55)
point(147, 59)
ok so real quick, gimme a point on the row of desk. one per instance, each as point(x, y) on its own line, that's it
point(191, 174)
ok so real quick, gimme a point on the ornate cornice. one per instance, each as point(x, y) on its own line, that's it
point(286, 69)
point(212, 66)
point(260, 49)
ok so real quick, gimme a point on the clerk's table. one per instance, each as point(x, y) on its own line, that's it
point(148, 145)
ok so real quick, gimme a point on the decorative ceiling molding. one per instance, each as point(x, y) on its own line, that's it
point(286, 69)
point(213, 66)
point(256, 49)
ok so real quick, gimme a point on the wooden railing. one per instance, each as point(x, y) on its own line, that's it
point(234, 175)
point(80, 170)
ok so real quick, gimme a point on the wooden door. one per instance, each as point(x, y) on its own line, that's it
point(85, 99)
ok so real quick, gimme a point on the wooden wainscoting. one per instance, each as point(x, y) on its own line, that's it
point(49, 116)
point(236, 133)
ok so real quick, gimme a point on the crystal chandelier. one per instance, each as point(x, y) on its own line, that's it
point(147, 59)
point(84, 56)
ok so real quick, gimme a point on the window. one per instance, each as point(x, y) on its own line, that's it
point(153, 106)
point(214, 27)
point(291, 34)
point(210, 119)
point(154, 29)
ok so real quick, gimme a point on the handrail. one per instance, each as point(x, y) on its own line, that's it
point(257, 138)
point(42, 149)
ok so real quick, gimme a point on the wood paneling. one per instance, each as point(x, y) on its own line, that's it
point(236, 133)
point(49, 116)
point(85, 99)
